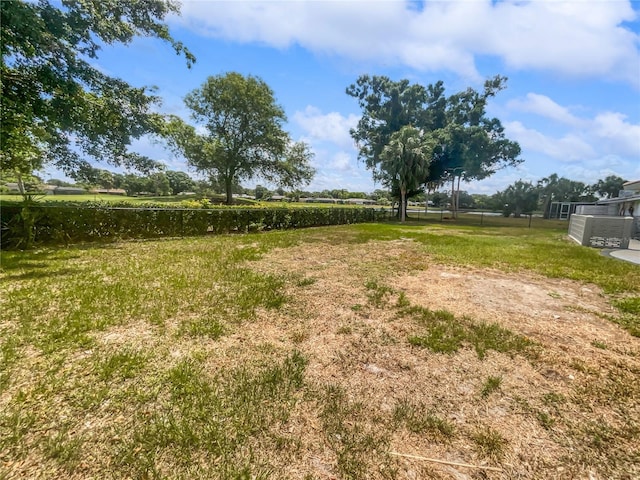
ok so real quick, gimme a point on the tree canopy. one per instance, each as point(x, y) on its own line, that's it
point(239, 134)
point(560, 189)
point(609, 187)
point(518, 198)
point(57, 107)
point(468, 144)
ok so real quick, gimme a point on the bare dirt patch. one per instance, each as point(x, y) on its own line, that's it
point(542, 404)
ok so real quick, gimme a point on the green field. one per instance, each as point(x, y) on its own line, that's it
point(322, 353)
point(169, 200)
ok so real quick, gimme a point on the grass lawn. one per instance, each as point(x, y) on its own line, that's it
point(342, 352)
point(93, 198)
point(169, 200)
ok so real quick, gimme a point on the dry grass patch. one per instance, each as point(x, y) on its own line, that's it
point(504, 410)
point(290, 355)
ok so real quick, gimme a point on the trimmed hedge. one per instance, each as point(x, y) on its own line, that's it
point(62, 224)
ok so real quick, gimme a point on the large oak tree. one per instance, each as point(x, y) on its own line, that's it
point(239, 135)
point(469, 145)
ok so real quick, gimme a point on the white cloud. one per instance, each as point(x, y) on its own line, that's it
point(607, 135)
point(545, 107)
point(329, 180)
point(342, 162)
point(599, 168)
point(620, 135)
point(332, 127)
point(577, 38)
point(570, 38)
point(501, 180)
point(569, 147)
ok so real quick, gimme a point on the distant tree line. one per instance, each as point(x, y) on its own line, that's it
point(525, 197)
point(522, 197)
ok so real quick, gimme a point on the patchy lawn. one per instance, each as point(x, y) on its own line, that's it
point(345, 352)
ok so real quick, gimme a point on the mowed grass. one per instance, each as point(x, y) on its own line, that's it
point(133, 360)
point(546, 251)
point(90, 197)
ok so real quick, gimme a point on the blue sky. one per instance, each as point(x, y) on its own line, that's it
point(572, 100)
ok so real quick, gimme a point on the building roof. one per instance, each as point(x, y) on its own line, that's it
point(633, 185)
point(70, 189)
point(630, 198)
point(120, 191)
point(631, 188)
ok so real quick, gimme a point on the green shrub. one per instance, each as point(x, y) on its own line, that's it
point(90, 221)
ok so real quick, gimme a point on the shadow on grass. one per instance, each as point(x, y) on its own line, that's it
point(40, 274)
point(42, 263)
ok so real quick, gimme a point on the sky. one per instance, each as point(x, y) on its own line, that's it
point(572, 100)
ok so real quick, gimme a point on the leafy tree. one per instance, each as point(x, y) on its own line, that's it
point(55, 104)
point(243, 136)
point(294, 169)
point(58, 183)
point(179, 182)
point(379, 195)
point(473, 146)
point(261, 192)
point(547, 187)
point(323, 194)
point(609, 187)
point(204, 188)
point(420, 197)
point(158, 183)
point(465, 200)
point(26, 183)
point(560, 189)
point(468, 145)
point(440, 199)
point(519, 198)
point(387, 107)
point(210, 186)
point(88, 175)
point(405, 162)
point(135, 184)
point(118, 180)
point(339, 193)
point(105, 179)
point(482, 201)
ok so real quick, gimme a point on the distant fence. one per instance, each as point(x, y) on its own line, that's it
point(478, 218)
point(53, 224)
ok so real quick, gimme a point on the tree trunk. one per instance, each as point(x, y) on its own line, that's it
point(453, 196)
point(403, 204)
point(546, 207)
point(20, 184)
point(458, 196)
point(426, 200)
point(227, 188)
